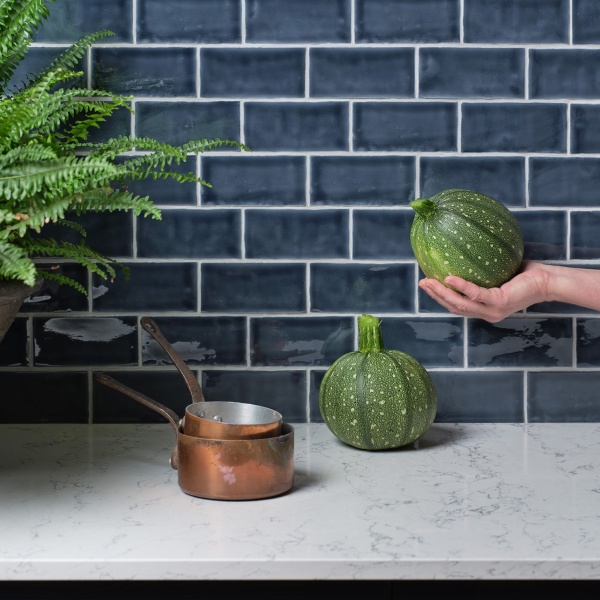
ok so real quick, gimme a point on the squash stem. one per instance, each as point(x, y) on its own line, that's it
point(369, 334)
point(424, 207)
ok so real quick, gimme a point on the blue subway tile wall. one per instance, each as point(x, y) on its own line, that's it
point(351, 109)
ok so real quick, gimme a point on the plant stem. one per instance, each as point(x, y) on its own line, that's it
point(369, 334)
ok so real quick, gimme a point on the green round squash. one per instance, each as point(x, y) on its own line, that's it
point(377, 399)
point(464, 233)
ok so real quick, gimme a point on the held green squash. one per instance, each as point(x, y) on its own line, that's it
point(464, 233)
point(374, 398)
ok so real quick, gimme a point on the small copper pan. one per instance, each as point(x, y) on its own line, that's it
point(224, 469)
point(217, 419)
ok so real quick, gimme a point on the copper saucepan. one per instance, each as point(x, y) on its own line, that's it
point(224, 469)
point(217, 419)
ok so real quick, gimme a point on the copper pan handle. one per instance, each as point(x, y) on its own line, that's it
point(166, 412)
point(190, 379)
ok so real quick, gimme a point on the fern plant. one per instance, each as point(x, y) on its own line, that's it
point(50, 171)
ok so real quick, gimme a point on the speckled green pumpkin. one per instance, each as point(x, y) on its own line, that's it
point(464, 233)
point(374, 398)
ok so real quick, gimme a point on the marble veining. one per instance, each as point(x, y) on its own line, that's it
point(467, 501)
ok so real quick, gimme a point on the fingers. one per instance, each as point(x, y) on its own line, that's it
point(472, 291)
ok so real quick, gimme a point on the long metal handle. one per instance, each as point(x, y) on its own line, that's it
point(190, 379)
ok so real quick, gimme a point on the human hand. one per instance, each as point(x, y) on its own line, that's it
point(463, 298)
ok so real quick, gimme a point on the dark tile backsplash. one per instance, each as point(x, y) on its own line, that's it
point(351, 108)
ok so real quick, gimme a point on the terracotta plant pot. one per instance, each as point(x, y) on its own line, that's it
point(12, 296)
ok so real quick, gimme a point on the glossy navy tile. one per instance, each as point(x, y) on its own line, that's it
point(286, 126)
point(169, 192)
point(511, 127)
point(254, 180)
point(424, 126)
point(279, 390)
point(166, 387)
point(191, 233)
point(13, 348)
point(358, 287)
point(517, 21)
point(38, 59)
point(362, 72)
point(521, 342)
point(276, 287)
point(433, 342)
point(565, 181)
point(198, 341)
point(296, 341)
point(119, 123)
point(563, 397)
point(306, 21)
point(289, 233)
point(314, 413)
point(193, 21)
point(145, 71)
point(586, 22)
point(181, 122)
point(361, 180)
point(407, 20)
point(502, 178)
point(252, 72)
point(151, 287)
point(479, 397)
point(382, 234)
point(544, 234)
point(585, 234)
point(573, 73)
point(466, 73)
point(585, 128)
point(37, 397)
point(588, 342)
point(85, 341)
point(69, 20)
point(111, 234)
point(53, 297)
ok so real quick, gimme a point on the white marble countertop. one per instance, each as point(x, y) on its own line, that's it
point(468, 501)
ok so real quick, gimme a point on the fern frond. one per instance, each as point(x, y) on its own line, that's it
point(16, 264)
point(61, 279)
point(109, 199)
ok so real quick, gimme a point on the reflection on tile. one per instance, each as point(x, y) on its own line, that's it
point(85, 341)
point(279, 390)
point(521, 342)
point(285, 233)
point(479, 397)
point(292, 341)
point(44, 397)
point(145, 71)
point(254, 180)
point(361, 180)
point(361, 287)
point(53, 297)
point(588, 342)
point(433, 342)
point(563, 397)
point(407, 20)
point(502, 178)
point(198, 340)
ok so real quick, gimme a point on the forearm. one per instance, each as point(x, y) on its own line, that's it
point(574, 286)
